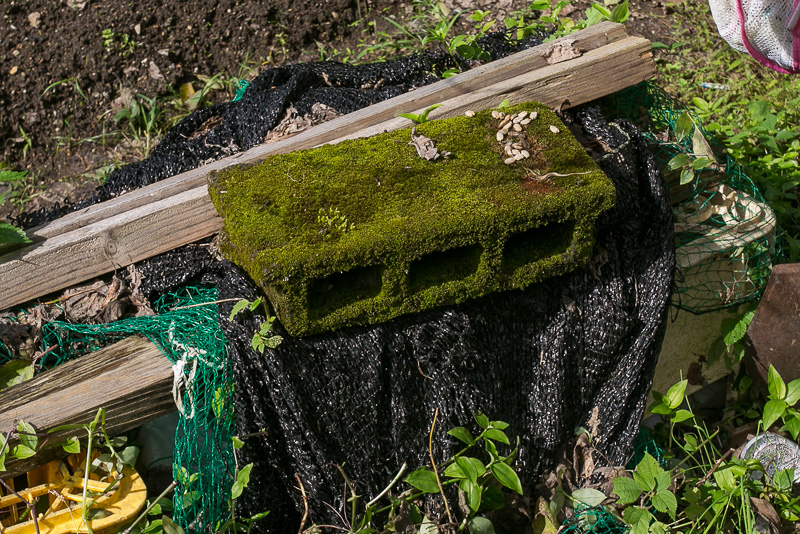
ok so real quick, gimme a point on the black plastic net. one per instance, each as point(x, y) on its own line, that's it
point(579, 350)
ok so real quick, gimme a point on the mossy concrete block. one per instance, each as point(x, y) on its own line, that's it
point(366, 230)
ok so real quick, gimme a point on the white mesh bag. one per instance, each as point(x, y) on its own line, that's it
point(768, 30)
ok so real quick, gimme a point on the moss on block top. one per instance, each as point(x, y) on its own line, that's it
point(369, 229)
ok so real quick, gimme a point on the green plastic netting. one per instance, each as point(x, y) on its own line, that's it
point(593, 520)
point(186, 330)
point(724, 232)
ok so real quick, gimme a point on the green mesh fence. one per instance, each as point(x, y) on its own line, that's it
point(593, 519)
point(186, 330)
point(724, 232)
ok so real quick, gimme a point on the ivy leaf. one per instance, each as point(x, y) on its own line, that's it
point(678, 161)
point(687, 175)
point(589, 496)
point(683, 126)
point(776, 385)
point(646, 471)
point(493, 499)
point(22, 452)
point(733, 329)
point(681, 416)
point(482, 420)
point(454, 471)
point(462, 434)
point(793, 426)
point(665, 502)
point(700, 146)
point(473, 492)
point(627, 490)
point(239, 306)
point(424, 480)
point(502, 425)
point(27, 435)
point(507, 477)
point(169, 526)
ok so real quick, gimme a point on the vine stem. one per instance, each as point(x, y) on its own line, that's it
point(152, 504)
point(30, 505)
point(433, 464)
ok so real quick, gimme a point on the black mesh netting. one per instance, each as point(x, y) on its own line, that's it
point(543, 359)
point(577, 350)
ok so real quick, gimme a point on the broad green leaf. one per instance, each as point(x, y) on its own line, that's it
point(772, 412)
point(427, 526)
point(692, 494)
point(497, 435)
point(658, 528)
point(783, 479)
point(129, 455)
point(627, 490)
point(725, 480)
point(700, 146)
point(22, 452)
point(507, 477)
point(683, 126)
point(620, 13)
point(636, 514)
point(687, 175)
point(480, 525)
point(170, 527)
point(239, 306)
point(12, 176)
point(503, 104)
point(473, 492)
point(674, 396)
point(792, 392)
point(691, 442)
point(454, 471)
point(72, 445)
point(424, 480)
point(467, 468)
point(665, 502)
point(777, 388)
point(500, 425)
point(734, 329)
point(589, 496)
point(482, 420)
point(663, 480)
point(11, 235)
point(678, 161)
point(491, 448)
point(237, 443)
point(646, 471)
point(681, 416)
point(462, 434)
point(15, 372)
point(493, 499)
point(792, 424)
point(701, 163)
point(26, 435)
point(242, 479)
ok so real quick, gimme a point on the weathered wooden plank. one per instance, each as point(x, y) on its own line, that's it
point(479, 78)
point(105, 246)
point(131, 379)
point(130, 236)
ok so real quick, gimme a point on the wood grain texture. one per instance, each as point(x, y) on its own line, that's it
point(131, 379)
point(163, 223)
point(475, 79)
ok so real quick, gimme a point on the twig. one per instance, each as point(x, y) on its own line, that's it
point(152, 504)
point(204, 304)
point(711, 471)
point(435, 472)
point(390, 486)
point(305, 504)
point(31, 506)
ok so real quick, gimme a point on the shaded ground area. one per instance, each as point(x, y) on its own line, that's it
point(70, 67)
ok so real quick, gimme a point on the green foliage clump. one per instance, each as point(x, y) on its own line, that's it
point(366, 230)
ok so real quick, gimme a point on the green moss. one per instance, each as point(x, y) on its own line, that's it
point(366, 230)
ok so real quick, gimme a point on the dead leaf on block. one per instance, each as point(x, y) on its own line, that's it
point(561, 51)
point(425, 147)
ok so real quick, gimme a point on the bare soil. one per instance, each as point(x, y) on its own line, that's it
point(67, 67)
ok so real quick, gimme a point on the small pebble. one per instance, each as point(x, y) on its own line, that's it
point(506, 120)
point(508, 151)
point(554, 129)
point(518, 157)
point(517, 146)
point(534, 114)
point(469, 113)
point(522, 114)
point(516, 120)
point(525, 153)
point(525, 122)
point(13, 70)
point(506, 128)
point(495, 115)
point(514, 152)
point(517, 128)
point(509, 161)
point(500, 136)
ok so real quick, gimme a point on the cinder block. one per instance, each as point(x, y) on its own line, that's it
point(366, 230)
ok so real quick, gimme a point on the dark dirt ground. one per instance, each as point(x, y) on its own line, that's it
point(69, 66)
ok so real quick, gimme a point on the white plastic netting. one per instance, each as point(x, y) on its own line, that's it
point(771, 30)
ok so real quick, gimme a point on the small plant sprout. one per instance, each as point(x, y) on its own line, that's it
point(419, 118)
point(263, 338)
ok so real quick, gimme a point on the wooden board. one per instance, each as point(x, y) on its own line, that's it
point(131, 379)
point(102, 239)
